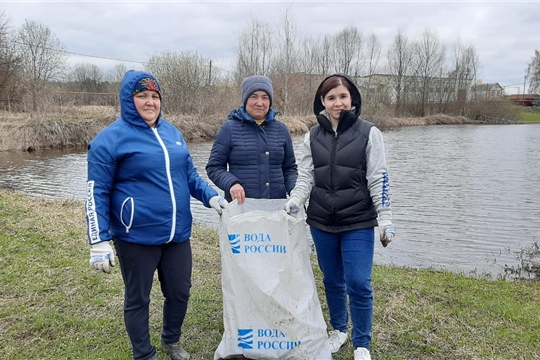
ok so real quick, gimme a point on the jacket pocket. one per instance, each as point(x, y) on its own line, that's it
point(128, 211)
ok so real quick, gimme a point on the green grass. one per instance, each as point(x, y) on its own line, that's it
point(530, 116)
point(54, 306)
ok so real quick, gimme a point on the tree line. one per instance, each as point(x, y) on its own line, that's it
point(416, 76)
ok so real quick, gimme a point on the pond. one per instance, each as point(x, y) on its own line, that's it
point(464, 197)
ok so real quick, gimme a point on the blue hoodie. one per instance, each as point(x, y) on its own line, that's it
point(140, 179)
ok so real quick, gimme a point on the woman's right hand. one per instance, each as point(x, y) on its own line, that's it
point(238, 193)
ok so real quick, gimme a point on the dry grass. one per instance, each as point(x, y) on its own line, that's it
point(77, 126)
point(439, 119)
point(35, 134)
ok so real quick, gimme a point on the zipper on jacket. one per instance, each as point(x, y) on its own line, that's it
point(169, 179)
point(127, 226)
point(332, 172)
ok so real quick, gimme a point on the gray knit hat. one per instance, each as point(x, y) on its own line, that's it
point(255, 83)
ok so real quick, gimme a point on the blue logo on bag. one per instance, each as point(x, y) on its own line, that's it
point(255, 244)
point(234, 239)
point(245, 338)
point(265, 339)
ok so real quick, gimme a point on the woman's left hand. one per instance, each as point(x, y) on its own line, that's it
point(238, 193)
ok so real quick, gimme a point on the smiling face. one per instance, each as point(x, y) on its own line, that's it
point(148, 105)
point(257, 105)
point(337, 99)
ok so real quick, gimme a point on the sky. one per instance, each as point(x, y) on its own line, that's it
point(505, 34)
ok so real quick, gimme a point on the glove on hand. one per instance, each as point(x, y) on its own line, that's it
point(386, 232)
point(218, 203)
point(101, 256)
point(291, 207)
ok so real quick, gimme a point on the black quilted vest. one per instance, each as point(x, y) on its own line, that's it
point(340, 199)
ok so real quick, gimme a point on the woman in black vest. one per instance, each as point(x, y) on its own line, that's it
point(343, 172)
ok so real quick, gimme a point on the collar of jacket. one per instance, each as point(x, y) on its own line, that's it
point(346, 119)
point(240, 114)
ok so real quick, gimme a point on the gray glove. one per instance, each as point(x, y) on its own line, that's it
point(291, 207)
point(386, 232)
point(102, 256)
point(218, 203)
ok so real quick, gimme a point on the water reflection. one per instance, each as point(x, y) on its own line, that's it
point(463, 196)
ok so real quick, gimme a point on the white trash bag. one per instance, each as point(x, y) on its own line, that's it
point(270, 305)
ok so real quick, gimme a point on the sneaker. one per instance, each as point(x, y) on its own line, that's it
point(336, 339)
point(175, 351)
point(361, 354)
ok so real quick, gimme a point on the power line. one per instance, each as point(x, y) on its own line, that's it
point(520, 83)
point(79, 54)
point(102, 57)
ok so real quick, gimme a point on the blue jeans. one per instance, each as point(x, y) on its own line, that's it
point(346, 261)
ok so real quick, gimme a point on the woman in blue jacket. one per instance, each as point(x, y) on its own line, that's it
point(252, 155)
point(140, 179)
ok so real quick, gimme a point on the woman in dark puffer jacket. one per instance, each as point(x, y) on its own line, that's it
point(252, 155)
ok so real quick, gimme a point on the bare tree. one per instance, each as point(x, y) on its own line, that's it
point(9, 63)
point(399, 60)
point(116, 74)
point(306, 84)
point(87, 78)
point(347, 50)
point(114, 77)
point(286, 61)
point(43, 57)
point(533, 73)
point(462, 73)
point(322, 55)
point(373, 50)
point(254, 49)
point(427, 62)
point(184, 77)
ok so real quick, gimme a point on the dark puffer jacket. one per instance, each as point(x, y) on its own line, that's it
point(260, 158)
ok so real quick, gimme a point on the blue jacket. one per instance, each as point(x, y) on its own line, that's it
point(140, 179)
point(260, 158)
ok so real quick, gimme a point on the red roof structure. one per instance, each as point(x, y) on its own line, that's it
point(525, 99)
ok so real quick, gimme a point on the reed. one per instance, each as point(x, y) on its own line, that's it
point(73, 129)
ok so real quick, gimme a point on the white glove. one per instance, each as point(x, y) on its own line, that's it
point(101, 256)
point(386, 232)
point(218, 203)
point(291, 207)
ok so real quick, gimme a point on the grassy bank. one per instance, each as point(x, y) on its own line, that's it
point(72, 129)
point(530, 116)
point(54, 306)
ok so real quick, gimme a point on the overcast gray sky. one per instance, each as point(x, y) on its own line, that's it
point(505, 34)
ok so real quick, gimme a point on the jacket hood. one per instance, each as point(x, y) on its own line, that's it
point(355, 95)
point(128, 111)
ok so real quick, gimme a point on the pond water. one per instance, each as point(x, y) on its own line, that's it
point(464, 197)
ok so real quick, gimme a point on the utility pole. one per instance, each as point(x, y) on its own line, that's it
point(524, 79)
point(210, 73)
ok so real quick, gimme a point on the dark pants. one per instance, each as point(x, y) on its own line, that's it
point(138, 264)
